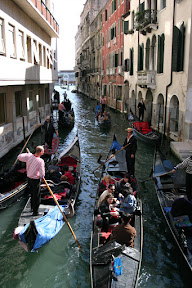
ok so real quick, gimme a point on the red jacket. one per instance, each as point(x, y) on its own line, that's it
point(70, 177)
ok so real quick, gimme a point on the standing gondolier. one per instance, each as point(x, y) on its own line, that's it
point(103, 103)
point(50, 129)
point(130, 151)
point(35, 167)
point(142, 108)
point(187, 165)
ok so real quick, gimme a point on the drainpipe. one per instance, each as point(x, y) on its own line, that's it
point(171, 76)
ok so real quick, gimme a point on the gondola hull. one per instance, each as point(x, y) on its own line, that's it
point(171, 188)
point(150, 138)
point(101, 256)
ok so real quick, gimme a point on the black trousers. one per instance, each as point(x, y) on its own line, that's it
point(189, 186)
point(141, 114)
point(102, 108)
point(34, 189)
point(130, 165)
point(48, 139)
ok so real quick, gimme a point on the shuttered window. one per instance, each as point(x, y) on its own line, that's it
point(116, 60)
point(160, 58)
point(140, 57)
point(131, 60)
point(126, 65)
point(126, 27)
point(178, 48)
point(106, 15)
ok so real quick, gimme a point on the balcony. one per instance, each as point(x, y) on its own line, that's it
point(39, 13)
point(120, 69)
point(146, 20)
point(108, 71)
point(146, 79)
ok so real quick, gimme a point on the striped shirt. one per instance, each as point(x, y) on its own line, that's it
point(186, 164)
point(35, 166)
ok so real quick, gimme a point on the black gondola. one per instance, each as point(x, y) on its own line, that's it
point(176, 209)
point(102, 256)
point(143, 132)
point(65, 193)
point(13, 184)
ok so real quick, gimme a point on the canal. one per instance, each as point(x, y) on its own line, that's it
point(60, 263)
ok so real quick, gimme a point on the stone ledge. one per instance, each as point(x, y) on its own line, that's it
point(181, 150)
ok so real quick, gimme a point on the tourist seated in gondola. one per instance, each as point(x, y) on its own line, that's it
point(126, 181)
point(110, 190)
point(106, 116)
point(67, 175)
point(106, 181)
point(124, 233)
point(109, 212)
point(128, 202)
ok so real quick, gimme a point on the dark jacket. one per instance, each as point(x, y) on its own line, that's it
point(49, 129)
point(124, 234)
point(132, 147)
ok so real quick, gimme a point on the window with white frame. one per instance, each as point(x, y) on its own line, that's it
point(2, 38)
point(21, 49)
point(11, 40)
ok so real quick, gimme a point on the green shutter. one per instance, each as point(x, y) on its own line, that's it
point(116, 60)
point(115, 7)
point(182, 47)
point(162, 52)
point(105, 14)
point(176, 33)
point(126, 27)
point(159, 55)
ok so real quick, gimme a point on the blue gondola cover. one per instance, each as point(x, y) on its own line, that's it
point(47, 227)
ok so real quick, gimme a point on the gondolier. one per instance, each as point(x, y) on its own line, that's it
point(50, 129)
point(35, 167)
point(130, 151)
point(187, 165)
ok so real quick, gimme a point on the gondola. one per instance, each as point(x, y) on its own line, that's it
point(13, 183)
point(68, 119)
point(102, 255)
point(37, 227)
point(143, 132)
point(176, 209)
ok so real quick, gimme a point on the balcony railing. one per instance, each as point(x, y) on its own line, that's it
point(146, 19)
point(146, 79)
point(40, 5)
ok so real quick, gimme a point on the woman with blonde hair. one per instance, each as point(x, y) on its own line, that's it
point(106, 181)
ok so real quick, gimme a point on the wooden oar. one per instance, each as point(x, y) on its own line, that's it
point(56, 202)
point(158, 175)
point(24, 145)
point(111, 157)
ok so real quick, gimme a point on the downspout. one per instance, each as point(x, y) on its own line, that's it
point(171, 76)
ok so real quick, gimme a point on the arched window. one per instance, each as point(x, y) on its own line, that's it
point(160, 59)
point(147, 54)
point(174, 114)
point(178, 48)
point(160, 110)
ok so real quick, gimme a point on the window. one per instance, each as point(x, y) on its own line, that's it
point(122, 25)
point(126, 27)
point(29, 58)
point(11, 40)
point(44, 57)
point(2, 108)
point(21, 49)
point(47, 95)
point(30, 102)
point(119, 92)
point(162, 4)
point(160, 58)
point(18, 103)
point(116, 60)
point(140, 57)
point(127, 6)
point(121, 56)
point(105, 14)
point(126, 65)
point(40, 54)
point(178, 48)
point(2, 37)
point(131, 61)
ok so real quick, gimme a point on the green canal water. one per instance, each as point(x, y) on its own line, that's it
point(60, 263)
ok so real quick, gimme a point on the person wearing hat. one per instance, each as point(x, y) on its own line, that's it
point(130, 151)
point(124, 233)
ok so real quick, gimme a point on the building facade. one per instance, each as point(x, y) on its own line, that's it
point(28, 54)
point(157, 49)
point(113, 53)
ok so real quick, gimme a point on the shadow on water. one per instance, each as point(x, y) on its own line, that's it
point(60, 263)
